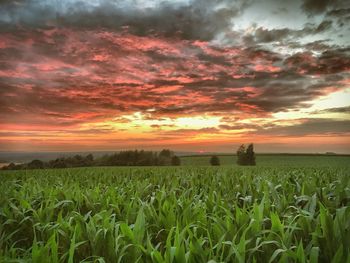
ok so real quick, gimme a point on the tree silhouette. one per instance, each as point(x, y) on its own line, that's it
point(36, 164)
point(241, 156)
point(175, 161)
point(123, 158)
point(165, 157)
point(214, 160)
point(250, 155)
point(166, 153)
point(246, 156)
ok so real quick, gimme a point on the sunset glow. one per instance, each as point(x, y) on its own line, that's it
point(190, 76)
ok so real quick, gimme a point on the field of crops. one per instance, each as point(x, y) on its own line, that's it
point(267, 213)
point(274, 160)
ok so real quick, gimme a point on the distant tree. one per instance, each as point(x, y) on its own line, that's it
point(166, 153)
point(11, 166)
point(165, 157)
point(132, 158)
point(246, 156)
point(175, 160)
point(76, 161)
point(214, 160)
point(35, 164)
point(89, 160)
point(250, 155)
point(89, 157)
point(241, 156)
point(58, 163)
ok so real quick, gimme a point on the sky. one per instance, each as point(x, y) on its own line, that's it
point(190, 75)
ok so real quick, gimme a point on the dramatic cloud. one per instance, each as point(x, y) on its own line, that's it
point(262, 35)
point(311, 127)
point(314, 7)
point(336, 110)
point(158, 73)
point(195, 19)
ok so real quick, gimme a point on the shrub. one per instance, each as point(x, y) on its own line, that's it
point(214, 160)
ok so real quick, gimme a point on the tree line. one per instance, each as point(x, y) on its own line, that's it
point(123, 158)
point(166, 157)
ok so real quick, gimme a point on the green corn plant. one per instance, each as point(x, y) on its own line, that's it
point(267, 213)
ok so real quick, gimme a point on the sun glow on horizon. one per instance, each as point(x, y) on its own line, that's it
point(197, 122)
point(141, 123)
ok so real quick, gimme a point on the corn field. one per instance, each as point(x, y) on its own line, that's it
point(183, 214)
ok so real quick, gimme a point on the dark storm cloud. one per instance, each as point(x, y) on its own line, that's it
point(323, 26)
point(263, 35)
point(196, 19)
point(316, 7)
point(338, 12)
point(341, 16)
point(334, 110)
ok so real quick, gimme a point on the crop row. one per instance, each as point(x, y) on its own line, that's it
point(178, 215)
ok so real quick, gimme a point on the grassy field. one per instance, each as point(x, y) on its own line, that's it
point(275, 160)
point(282, 210)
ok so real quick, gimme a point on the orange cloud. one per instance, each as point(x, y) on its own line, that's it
point(97, 89)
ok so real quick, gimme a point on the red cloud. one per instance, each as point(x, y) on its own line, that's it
point(61, 79)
